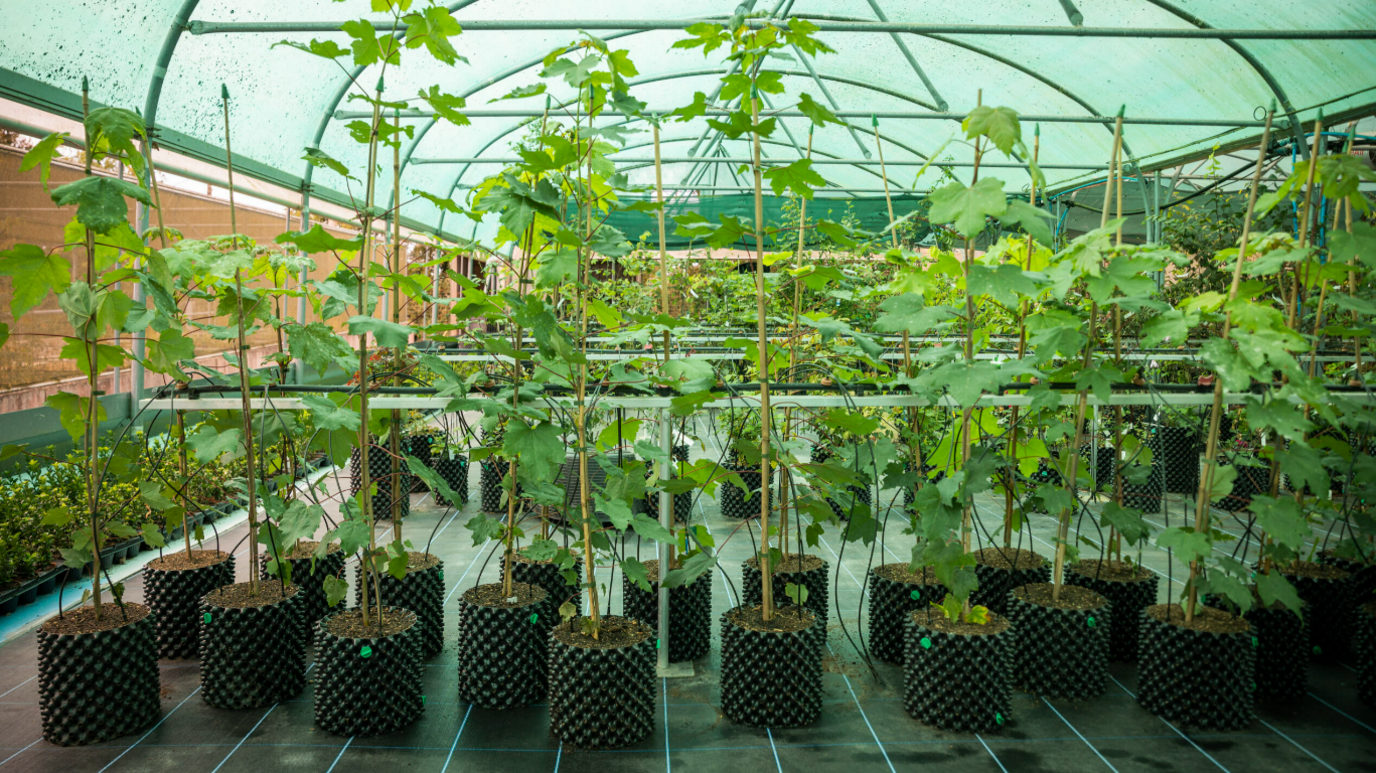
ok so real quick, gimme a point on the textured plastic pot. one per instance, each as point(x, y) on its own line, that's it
point(1129, 590)
point(1060, 649)
point(956, 677)
point(311, 579)
point(1103, 472)
point(454, 472)
point(421, 591)
point(100, 685)
point(1147, 497)
point(690, 612)
point(1178, 450)
point(503, 647)
point(860, 493)
point(547, 576)
point(815, 576)
point(602, 697)
point(999, 571)
point(419, 447)
point(368, 685)
point(1281, 640)
point(894, 593)
point(772, 678)
point(1328, 608)
point(1250, 482)
point(253, 656)
point(1366, 653)
point(734, 504)
point(379, 475)
point(1361, 587)
point(174, 594)
point(1198, 678)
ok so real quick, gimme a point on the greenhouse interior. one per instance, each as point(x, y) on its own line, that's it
point(796, 385)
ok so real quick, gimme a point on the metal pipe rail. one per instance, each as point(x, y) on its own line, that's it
point(773, 162)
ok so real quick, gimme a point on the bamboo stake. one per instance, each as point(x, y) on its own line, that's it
point(1117, 493)
point(251, 473)
point(90, 436)
point(397, 352)
point(1072, 472)
point(1022, 349)
point(365, 500)
point(584, 494)
point(1206, 475)
point(766, 576)
point(786, 485)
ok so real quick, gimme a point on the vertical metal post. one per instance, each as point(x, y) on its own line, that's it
point(666, 519)
point(298, 366)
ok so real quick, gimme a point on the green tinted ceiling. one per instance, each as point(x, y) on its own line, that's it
point(285, 100)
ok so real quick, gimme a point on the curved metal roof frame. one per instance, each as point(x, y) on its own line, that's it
point(1354, 27)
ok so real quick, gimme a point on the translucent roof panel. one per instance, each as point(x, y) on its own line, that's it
point(285, 100)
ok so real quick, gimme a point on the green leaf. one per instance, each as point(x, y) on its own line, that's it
point(1034, 220)
point(1304, 467)
point(322, 160)
point(1273, 587)
point(57, 516)
point(368, 46)
point(79, 351)
point(432, 28)
point(388, 334)
point(41, 155)
point(323, 48)
point(170, 348)
point(690, 374)
point(35, 273)
point(695, 109)
point(816, 112)
point(1126, 520)
point(352, 535)
point(317, 240)
point(1284, 417)
point(72, 412)
point(798, 177)
point(446, 106)
point(636, 573)
point(1188, 544)
point(1006, 284)
point(1222, 482)
point(111, 131)
point(539, 447)
point(1171, 326)
point(152, 537)
point(99, 201)
point(908, 312)
point(209, 444)
point(521, 92)
point(967, 208)
point(336, 589)
point(689, 570)
point(1361, 244)
point(1281, 519)
point(318, 346)
point(556, 267)
point(999, 124)
point(326, 415)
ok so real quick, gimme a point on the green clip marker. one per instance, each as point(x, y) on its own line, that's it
point(1092, 622)
point(422, 700)
point(656, 643)
point(534, 617)
point(1318, 650)
point(926, 643)
point(998, 717)
point(916, 595)
point(1256, 642)
point(207, 618)
point(441, 575)
point(1254, 686)
point(366, 652)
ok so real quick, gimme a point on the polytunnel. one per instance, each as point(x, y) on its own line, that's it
point(793, 385)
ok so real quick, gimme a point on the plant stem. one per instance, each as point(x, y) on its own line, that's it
point(92, 415)
point(399, 351)
point(584, 492)
point(1010, 484)
point(766, 576)
point(365, 500)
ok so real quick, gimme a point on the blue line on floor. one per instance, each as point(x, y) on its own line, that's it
point(462, 725)
point(668, 763)
point(17, 686)
point(1344, 713)
point(558, 756)
point(1188, 739)
point(774, 749)
point(150, 730)
point(1297, 745)
point(991, 753)
point(16, 754)
point(245, 738)
point(330, 769)
point(1082, 738)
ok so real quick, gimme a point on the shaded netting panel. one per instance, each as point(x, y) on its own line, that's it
point(864, 213)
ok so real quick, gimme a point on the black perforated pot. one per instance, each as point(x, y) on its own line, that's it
point(1200, 679)
point(419, 446)
point(1147, 497)
point(1127, 597)
point(174, 595)
point(1361, 587)
point(997, 579)
point(547, 576)
point(253, 656)
point(309, 575)
point(503, 651)
point(734, 504)
point(1365, 644)
point(1058, 652)
point(368, 685)
point(817, 580)
point(771, 678)
point(421, 591)
point(690, 612)
point(1250, 482)
point(1328, 608)
point(890, 602)
point(1103, 471)
point(454, 472)
point(1281, 640)
point(379, 475)
point(957, 680)
point(96, 686)
point(1177, 448)
point(601, 697)
point(490, 473)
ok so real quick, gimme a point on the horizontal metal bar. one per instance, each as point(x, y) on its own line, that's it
point(201, 27)
point(776, 400)
point(349, 115)
point(770, 162)
point(887, 356)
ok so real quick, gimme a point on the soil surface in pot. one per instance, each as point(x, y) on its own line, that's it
point(615, 632)
point(1113, 571)
point(1010, 558)
point(241, 595)
point(1072, 596)
point(349, 625)
point(899, 573)
point(1313, 571)
point(417, 561)
point(307, 549)
point(791, 564)
point(1206, 619)
point(180, 562)
point(84, 620)
point(939, 622)
point(491, 595)
point(786, 619)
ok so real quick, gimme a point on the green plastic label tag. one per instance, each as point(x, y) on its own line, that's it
point(1318, 650)
point(366, 652)
point(534, 617)
point(656, 643)
point(1256, 642)
point(422, 700)
point(1092, 622)
point(207, 618)
point(998, 717)
point(926, 643)
point(916, 595)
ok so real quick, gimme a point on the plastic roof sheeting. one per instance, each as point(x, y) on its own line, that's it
point(283, 98)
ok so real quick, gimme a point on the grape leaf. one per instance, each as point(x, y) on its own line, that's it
point(967, 208)
point(34, 273)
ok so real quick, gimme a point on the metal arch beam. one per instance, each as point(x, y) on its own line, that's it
point(1296, 128)
point(941, 103)
point(826, 92)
